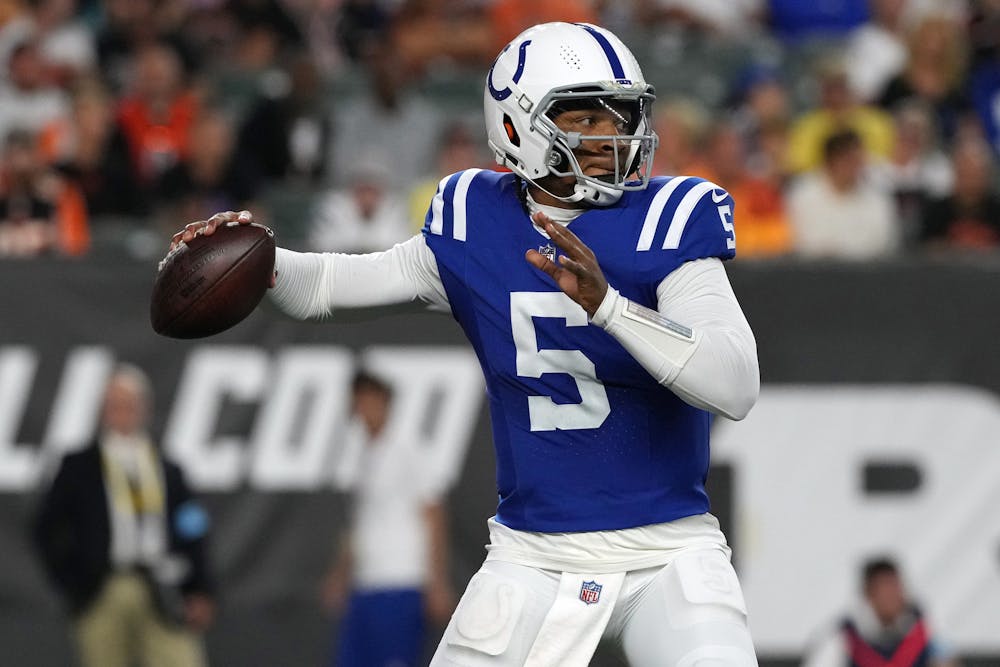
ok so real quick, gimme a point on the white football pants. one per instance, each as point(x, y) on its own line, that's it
point(688, 613)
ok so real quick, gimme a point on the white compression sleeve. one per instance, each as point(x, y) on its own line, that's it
point(698, 343)
point(312, 285)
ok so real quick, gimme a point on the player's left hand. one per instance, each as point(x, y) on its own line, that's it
point(577, 274)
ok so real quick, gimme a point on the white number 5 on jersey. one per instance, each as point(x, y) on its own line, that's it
point(544, 413)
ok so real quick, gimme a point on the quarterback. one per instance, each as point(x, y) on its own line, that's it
point(597, 302)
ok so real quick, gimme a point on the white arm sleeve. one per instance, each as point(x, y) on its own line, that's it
point(312, 285)
point(698, 343)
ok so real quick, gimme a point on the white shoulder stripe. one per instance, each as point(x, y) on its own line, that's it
point(460, 209)
point(437, 208)
point(655, 211)
point(683, 212)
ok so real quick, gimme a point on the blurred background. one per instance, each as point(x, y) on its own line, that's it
point(860, 140)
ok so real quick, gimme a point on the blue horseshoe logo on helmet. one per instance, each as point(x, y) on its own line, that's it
point(501, 95)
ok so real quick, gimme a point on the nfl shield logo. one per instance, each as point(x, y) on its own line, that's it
point(547, 251)
point(590, 592)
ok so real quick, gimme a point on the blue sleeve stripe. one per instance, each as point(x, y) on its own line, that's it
point(448, 212)
point(655, 211)
point(683, 213)
point(437, 209)
point(460, 203)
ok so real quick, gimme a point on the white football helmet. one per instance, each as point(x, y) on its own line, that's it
point(552, 67)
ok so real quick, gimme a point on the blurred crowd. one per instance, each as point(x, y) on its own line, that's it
point(847, 129)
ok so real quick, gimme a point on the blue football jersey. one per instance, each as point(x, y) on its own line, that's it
point(585, 438)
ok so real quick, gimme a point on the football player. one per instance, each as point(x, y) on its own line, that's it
point(608, 333)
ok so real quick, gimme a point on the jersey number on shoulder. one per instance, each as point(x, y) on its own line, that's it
point(544, 413)
point(726, 215)
point(683, 212)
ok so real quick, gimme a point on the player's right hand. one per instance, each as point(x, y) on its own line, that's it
point(208, 227)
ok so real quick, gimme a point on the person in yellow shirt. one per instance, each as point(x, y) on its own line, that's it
point(838, 110)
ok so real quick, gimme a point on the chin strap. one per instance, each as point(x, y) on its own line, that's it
point(603, 197)
point(582, 192)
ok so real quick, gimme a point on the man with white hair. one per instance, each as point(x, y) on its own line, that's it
point(123, 540)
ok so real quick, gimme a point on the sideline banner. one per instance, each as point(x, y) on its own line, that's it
point(876, 432)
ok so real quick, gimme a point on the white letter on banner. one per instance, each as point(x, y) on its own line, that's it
point(438, 392)
point(77, 405)
point(19, 465)
point(804, 523)
point(212, 374)
point(297, 426)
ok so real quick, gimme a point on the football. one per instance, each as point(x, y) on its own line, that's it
point(213, 282)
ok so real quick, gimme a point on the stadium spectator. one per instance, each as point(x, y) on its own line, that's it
point(760, 110)
point(796, 21)
point(934, 74)
point(508, 18)
point(386, 119)
point(157, 114)
point(424, 33)
point(88, 148)
point(67, 44)
point(456, 149)
point(16, 27)
point(263, 35)
point(730, 19)
point(838, 109)
point(271, 20)
point(917, 170)
point(40, 213)
point(836, 213)
point(885, 628)
point(130, 26)
point(762, 226)
point(123, 541)
point(287, 135)
point(970, 217)
point(875, 52)
point(30, 98)
point(361, 25)
point(984, 81)
point(681, 124)
point(364, 216)
point(212, 176)
point(391, 573)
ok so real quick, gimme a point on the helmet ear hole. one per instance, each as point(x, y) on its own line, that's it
point(508, 126)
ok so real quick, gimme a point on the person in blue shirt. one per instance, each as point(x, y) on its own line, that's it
point(597, 302)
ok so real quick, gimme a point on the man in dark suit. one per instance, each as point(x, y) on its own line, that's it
point(123, 540)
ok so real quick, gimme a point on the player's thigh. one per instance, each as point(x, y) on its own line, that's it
point(498, 617)
point(690, 614)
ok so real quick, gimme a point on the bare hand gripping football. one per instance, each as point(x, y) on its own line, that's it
point(215, 274)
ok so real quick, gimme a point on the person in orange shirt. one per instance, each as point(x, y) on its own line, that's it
point(40, 212)
point(157, 115)
point(510, 17)
point(761, 226)
point(423, 31)
point(89, 150)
